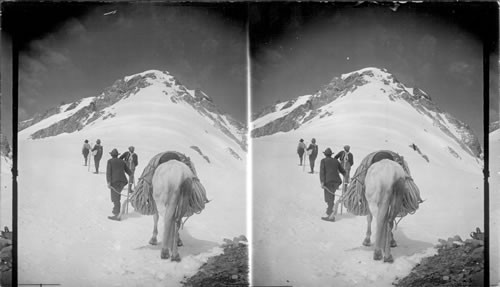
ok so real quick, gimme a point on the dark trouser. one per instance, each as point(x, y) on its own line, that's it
point(347, 176)
point(115, 196)
point(96, 161)
point(311, 162)
point(329, 197)
point(301, 156)
point(85, 156)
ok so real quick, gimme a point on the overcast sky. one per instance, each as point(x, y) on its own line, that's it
point(76, 51)
point(296, 49)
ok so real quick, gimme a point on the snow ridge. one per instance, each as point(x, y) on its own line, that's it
point(81, 114)
point(373, 86)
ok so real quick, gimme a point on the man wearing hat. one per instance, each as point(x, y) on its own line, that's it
point(115, 177)
point(132, 161)
point(330, 180)
point(347, 160)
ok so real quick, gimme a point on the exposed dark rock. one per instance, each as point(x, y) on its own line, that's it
point(458, 263)
point(6, 258)
point(4, 146)
point(197, 149)
point(227, 269)
point(233, 153)
point(494, 126)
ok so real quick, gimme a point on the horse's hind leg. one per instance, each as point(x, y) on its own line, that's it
point(369, 219)
point(387, 243)
point(179, 241)
point(175, 252)
point(154, 240)
point(393, 242)
point(379, 237)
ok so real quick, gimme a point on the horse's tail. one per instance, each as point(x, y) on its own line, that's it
point(396, 198)
point(192, 198)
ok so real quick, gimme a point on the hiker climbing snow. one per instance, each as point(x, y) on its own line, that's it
point(301, 149)
point(131, 158)
point(86, 150)
point(330, 180)
point(347, 160)
point(97, 153)
point(312, 151)
point(116, 179)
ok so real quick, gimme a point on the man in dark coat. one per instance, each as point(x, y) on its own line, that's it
point(301, 149)
point(346, 160)
point(312, 150)
point(97, 152)
point(330, 179)
point(86, 150)
point(132, 160)
point(115, 177)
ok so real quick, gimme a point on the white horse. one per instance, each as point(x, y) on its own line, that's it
point(172, 184)
point(384, 191)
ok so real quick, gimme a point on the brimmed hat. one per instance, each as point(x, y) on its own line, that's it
point(328, 151)
point(114, 152)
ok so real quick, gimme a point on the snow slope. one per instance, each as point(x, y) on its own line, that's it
point(64, 234)
point(494, 185)
point(362, 96)
point(293, 246)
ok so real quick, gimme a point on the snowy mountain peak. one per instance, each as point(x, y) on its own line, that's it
point(369, 98)
point(136, 90)
point(151, 74)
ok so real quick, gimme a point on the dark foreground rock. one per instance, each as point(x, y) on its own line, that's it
point(227, 269)
point(6, 258)
point(458, 263)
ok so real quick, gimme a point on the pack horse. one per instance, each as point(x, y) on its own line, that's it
point(385, 188)
point(382, 188)
point(169, 187)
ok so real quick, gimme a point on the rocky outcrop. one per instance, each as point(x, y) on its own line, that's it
point(6, 258)
point(4, 146)
point(458, 263)
point(494, 126)
point(228, 269)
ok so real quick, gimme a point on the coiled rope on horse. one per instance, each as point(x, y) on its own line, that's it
point(142, 198)
point(354, 199)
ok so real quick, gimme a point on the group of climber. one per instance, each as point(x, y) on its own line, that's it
point(330, 170)
point(95, 151)
point(116, 169)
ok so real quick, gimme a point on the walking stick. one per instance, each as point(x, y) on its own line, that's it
point(336, 205)
point(304, 161)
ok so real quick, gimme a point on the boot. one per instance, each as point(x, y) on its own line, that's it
point(114, 217)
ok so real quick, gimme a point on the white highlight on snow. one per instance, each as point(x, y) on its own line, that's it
point(262, 121)
point(26, 133)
